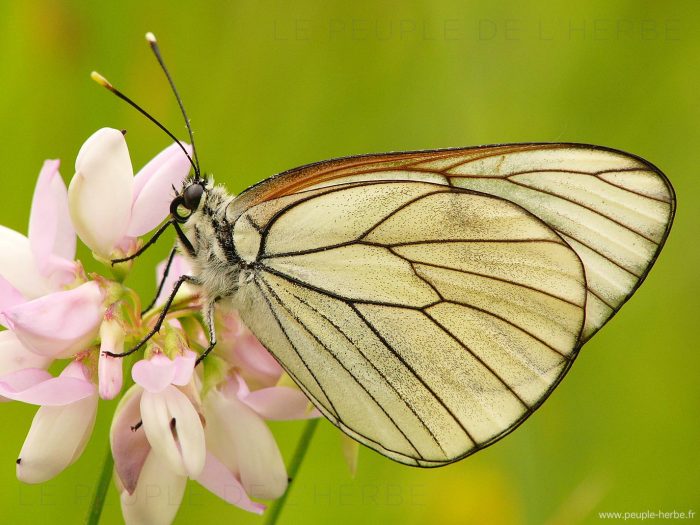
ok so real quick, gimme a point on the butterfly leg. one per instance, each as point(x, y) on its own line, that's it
point(209, 320)
point(166, 271)
point(156, 328)
point(148, 244)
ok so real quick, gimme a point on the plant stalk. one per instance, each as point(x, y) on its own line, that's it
point(294, 465)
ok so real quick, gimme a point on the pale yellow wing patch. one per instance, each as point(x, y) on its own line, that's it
point(425, 346)
point(614, 209)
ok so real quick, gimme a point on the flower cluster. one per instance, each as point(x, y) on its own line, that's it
point(175, 420)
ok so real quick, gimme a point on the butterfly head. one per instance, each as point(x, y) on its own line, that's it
point(187, 201)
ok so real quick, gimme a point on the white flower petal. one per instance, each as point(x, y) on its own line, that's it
point(17, 265)
point(168, 414)
point(190, 433)
point(157, 497)
point(156, 423)
point(243, 442)
point(100, 194)
point(57, 437)
point(14, 356)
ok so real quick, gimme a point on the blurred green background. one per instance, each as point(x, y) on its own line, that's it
point(273, 84)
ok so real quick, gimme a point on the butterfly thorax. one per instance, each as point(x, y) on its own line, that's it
point(213, 257)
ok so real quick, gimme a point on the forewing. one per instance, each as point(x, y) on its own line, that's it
point(423, 320)
point(614, 209)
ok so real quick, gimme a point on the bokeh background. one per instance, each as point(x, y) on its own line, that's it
point(272, 84)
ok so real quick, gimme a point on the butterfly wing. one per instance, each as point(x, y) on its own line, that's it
point(614, 209)
point(426, 321)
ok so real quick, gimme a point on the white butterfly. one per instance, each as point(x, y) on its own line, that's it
point(428, 302)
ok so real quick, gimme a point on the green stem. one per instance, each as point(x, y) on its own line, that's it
point(98, 497)
point(303, 445)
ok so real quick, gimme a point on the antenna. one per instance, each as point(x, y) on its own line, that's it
point(102, 81)
point(151, 38)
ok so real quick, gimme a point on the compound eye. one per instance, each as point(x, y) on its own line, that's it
point(192, 196)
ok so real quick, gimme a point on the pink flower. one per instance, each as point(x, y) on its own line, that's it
point(61, 427)
point(170, 421)
point(60, 324)
point(261, 379)
point(241, 441)
point(178, 267)
point(42, 262)
point(168, 446)
point(109, 206)
point(109, 369)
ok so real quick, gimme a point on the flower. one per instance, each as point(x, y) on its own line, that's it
point(171, 422)
point(239, 438)
point(41, 263)
point(60, 324)
point(15, 356)
point(263, 384)
point(109, 206)
point(61, 427)
point(171, 446)
point(109, 369)
point(178, 421)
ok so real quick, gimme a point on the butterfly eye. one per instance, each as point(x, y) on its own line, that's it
point(192, 196)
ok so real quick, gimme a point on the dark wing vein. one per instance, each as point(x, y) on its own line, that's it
point(486, 276)
point(415, 374)
point(379, 372)
point(279, 301)
point(511, 323)
point(576, 203)
point(281, 326)
point(481, 361)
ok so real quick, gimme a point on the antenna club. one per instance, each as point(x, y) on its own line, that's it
point(151, 38)
point(102, 81)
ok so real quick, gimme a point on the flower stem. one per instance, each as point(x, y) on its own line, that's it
point(98, 497)
point(294, 465)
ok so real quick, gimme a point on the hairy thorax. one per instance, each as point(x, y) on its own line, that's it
point(215, 265)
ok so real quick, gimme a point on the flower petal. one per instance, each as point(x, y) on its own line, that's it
point(154, 374)
point(184, 368)
point(100, 193)
point(153, 188)
point(178, 268)
point(109, 373)
point(51, 232)
point(156, 423)
point(59, 324)
point(280, 403)
point(9, 295)
point(57, 437)
point(243, 442)
point(14, 356)
point(17, 265)
point(253, 359)
point(130, 446)
point(169, 414)
point(21, 380)
point(157, 497)
point(109, 369)
point(217, 479)
point(37, 387)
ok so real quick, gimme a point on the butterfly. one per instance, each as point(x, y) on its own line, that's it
point(428, 302)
